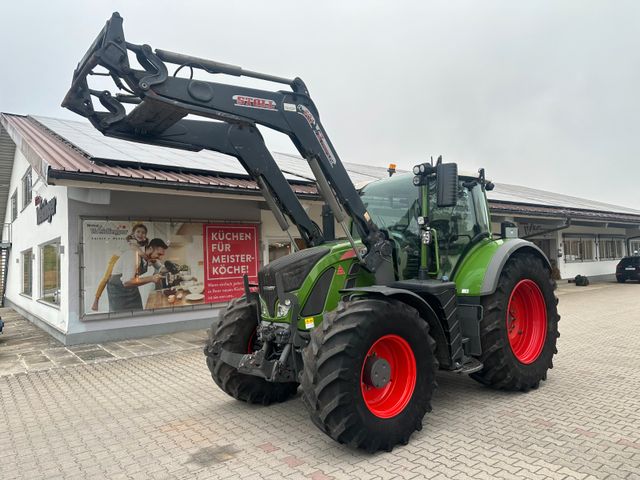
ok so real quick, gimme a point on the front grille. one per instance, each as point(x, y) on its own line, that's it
point(267, 289)
point(292, 268)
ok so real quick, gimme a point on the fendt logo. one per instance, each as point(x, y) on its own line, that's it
point(253, 102)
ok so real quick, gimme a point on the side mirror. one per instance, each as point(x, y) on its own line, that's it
point(447, 184)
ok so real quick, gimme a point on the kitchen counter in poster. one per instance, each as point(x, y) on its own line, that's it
point(157, 299)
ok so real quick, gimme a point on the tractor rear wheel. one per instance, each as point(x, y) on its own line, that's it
point(520, 327)
point(369, 373)
point(236, 329)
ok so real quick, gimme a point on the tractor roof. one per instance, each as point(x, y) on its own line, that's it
point(461, 174)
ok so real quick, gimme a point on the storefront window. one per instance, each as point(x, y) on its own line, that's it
point(634, 247)
point(579, 249)
point(50, 268)
point(14, 206)
point(26, 189)
point(278, 249)
point(282, 248)
point(611, 248)
point(27, 272)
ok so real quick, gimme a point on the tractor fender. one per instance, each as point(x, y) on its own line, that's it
point(421, 305)
point(500, 257)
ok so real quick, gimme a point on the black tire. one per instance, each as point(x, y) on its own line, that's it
point(235, 329)
point(620, 279)
point(502, 369)
point(333, 362)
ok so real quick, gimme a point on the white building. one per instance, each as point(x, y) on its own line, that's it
point(73, 198)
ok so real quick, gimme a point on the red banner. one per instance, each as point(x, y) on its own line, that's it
point(230, 252)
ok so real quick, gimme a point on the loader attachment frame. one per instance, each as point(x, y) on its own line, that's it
point(162, 102)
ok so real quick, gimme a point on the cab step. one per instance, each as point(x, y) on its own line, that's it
point(472, 365)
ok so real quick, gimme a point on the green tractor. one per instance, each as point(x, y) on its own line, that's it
point(419, 283)
point(365, 353)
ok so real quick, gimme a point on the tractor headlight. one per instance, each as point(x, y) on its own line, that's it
point(283, 309)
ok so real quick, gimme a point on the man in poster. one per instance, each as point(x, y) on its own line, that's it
point(129, 274)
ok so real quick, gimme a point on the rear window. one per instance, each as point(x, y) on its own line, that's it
point(630, 262)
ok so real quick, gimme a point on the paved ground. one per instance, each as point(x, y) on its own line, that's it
point(26, 348)
point(160, 416)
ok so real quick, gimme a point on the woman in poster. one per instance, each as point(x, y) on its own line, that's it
point(136, 240)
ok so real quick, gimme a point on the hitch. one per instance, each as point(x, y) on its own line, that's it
point(262, 363)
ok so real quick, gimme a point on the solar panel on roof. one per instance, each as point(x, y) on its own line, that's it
point(299, 166)
point(295, 168)
point(115, 150)
point(504, 192)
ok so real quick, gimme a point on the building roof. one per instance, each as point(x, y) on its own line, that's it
point(507, 193)
point(55, 157)
point(66, 149)
point(7, 153)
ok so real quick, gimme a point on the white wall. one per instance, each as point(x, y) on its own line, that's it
point(570, 270)
point(588, 268)
point(141, 205)
point(26, 233)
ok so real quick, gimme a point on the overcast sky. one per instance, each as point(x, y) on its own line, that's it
point(540, 93)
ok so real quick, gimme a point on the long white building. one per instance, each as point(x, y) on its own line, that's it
point(74, 204)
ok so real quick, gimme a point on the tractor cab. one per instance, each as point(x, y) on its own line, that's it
point(395, 205)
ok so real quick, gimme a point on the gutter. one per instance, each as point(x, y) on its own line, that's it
point(153, 184)
point(575, 213)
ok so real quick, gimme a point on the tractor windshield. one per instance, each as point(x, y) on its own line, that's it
point(394, 206)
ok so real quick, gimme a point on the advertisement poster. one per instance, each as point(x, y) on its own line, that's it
point(231, 251)
point(145, 265)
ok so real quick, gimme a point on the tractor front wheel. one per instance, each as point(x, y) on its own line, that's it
point(519, 329)
point(236, 329)
point(369, 373)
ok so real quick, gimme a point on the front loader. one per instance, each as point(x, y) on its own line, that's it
point(419, 283)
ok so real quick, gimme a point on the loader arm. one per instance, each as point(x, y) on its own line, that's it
point(162, 102)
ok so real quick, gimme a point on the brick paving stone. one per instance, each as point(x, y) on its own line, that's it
point(67, 360)
point(319, 475)
point(93, 355)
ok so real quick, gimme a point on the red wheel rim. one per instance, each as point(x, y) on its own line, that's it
point(526, 321)
point(391, 399)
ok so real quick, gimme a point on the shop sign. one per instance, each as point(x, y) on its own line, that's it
point(230, 252)
point(531, 229)
point(45, 210)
